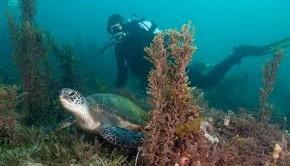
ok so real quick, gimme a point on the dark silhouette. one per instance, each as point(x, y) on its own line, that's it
point(202, 80)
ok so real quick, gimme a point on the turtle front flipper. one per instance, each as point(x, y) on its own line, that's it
point(122, 137)
point(66, 123)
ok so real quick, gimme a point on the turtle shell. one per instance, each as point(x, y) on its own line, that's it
point(117, 105)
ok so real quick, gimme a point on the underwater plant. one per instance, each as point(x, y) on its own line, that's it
point(34, 146)
point(8, 95)
point(68, 65)
point(177, 134)
point(28, 10)
point(269, 76)
point(171, 98)
point(31, 53)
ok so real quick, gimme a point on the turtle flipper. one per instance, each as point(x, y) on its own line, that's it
point(66, 123)
point(122, 137)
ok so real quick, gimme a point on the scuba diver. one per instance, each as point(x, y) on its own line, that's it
point(131, 37)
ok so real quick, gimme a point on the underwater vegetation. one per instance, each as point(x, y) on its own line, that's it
point(32, 146)
point(270, 73)
point(35, 54)
point(67, 63)
point(8, 96)
point(171, 97)
point(30, 54)
point(182, 133)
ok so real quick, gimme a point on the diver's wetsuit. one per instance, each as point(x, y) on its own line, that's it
point(130, 53)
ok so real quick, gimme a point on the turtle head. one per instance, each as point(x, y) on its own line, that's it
point(73, 101)
point(76, 104)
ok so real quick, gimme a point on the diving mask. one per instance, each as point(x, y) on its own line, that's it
point(117, 32)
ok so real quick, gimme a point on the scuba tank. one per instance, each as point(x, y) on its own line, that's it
point(144, 24)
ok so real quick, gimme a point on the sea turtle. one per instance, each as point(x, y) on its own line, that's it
point(113, 117)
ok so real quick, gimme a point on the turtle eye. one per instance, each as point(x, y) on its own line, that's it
point(72, 94)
